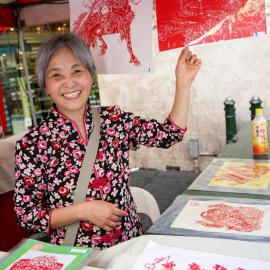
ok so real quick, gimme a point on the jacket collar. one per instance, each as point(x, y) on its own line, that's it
point(60, 122)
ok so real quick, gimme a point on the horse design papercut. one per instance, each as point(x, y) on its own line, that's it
point(107, 17)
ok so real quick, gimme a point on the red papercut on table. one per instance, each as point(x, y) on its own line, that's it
point(159, 261)
point(38, 263)
point(242, 173)
point(240, 218)
point(190, 22)
point(195, 266)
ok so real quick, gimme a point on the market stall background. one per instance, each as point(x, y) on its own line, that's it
point(24, 104)
point(236, 68)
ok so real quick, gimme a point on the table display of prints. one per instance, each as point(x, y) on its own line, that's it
point(235, 175)
point(36, 255)
point(233, 218)
point(161, 257)
point(188, 22)
point(118, 33)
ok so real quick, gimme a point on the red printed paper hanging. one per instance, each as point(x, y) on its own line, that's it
point(190, 22)
point(118, 33)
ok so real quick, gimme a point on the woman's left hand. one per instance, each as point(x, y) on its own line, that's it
point(187, 68)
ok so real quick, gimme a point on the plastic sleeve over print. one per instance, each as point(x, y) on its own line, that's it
point(30, 186)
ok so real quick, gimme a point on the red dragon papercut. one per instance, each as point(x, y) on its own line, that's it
point(239, 218)
point(106, 17)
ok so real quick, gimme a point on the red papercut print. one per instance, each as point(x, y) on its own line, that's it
point(157, 261)
point(168, 265)
point(219, 267)
point(194, 266)
point(38, 263)
point(242, 173)
point(184, 22)
point(239, 218)
point(106, 17)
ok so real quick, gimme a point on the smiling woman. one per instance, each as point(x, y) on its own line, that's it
point(50, 156)
point(65, 69)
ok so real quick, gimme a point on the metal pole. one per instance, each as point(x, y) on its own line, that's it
point(231, 129)
point(26, 74)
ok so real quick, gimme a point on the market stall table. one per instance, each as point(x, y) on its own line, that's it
point(124, 256)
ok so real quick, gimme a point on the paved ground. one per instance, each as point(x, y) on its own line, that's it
point(163, 185)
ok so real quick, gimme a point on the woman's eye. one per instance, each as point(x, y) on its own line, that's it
point(56, 75)
point(77, 71)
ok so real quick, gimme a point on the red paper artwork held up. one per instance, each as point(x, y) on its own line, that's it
point(241, 219)
point(190, 22)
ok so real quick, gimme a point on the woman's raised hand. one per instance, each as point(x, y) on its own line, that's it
point(187, 68)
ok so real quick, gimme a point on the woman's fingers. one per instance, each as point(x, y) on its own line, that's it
point(110, 225)
point(192, 59)
point(115, 218)
point(119, 212)
point(197, 62)
point(107, 228)
point(184, 54)
point(189, 56)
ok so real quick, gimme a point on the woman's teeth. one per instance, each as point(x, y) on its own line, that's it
point(72, 94)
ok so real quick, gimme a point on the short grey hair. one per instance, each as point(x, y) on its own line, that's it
point(53, 45)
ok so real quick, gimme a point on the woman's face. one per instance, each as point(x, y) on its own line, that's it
point(68, 82)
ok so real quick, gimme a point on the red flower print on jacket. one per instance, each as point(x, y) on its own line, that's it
point(51, 162)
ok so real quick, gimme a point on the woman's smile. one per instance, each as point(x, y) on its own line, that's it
point(72, 95)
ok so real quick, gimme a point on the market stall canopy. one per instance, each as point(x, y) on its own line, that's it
point(7, 18)
point(37, 12)
point(24, 2)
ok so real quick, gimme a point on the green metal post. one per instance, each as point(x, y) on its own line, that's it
point(231, 129)
point(255, 103)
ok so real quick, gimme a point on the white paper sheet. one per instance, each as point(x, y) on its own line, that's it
point(131, 21)
point(223, 217)
point(161, 257)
